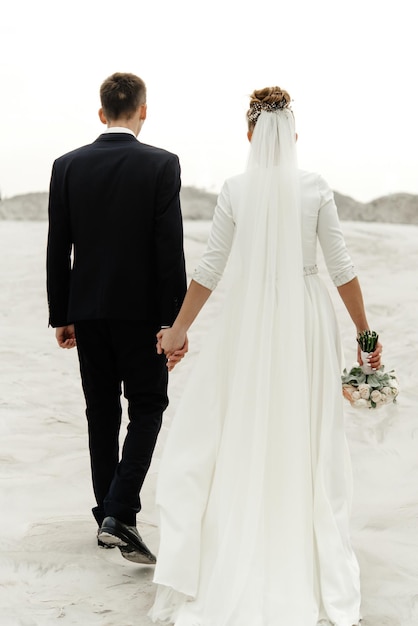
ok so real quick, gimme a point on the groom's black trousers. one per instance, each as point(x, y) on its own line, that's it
point(113, 353)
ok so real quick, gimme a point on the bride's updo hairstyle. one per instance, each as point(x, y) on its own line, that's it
point(267, 99)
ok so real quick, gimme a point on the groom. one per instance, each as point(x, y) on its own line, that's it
point(115, 276)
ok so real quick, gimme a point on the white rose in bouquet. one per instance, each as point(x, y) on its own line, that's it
point(364, 391)
point(376, 396)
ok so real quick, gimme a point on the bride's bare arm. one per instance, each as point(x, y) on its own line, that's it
point(352, 297)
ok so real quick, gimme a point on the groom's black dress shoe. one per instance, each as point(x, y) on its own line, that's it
point(115, 533)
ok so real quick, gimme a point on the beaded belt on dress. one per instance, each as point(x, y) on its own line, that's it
point(310, 269)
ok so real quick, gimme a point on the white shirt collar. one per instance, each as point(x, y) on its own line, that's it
point(119, 129)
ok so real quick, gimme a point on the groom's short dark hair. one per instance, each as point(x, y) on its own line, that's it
point(121, 94)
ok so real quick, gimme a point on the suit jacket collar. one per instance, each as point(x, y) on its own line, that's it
point(116, 137)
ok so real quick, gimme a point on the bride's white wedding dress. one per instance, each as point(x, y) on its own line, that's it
point(254, 486)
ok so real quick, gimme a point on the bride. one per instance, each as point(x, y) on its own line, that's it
point(254, 487)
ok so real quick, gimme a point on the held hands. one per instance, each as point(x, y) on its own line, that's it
point(375, 357)
point(174, 344)
point(65, 336)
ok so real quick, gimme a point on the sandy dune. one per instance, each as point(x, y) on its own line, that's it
point(51, 571)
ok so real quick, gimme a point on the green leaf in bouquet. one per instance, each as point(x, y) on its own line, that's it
point(374, 381)
point(354, 377)
point(355, 372)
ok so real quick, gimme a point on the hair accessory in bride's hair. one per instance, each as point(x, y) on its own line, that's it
point(270, 107)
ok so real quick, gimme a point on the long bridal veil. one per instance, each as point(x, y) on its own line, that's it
point(267, 457)
point(235, 485)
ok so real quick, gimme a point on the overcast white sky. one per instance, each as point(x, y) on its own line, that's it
point(350, 67)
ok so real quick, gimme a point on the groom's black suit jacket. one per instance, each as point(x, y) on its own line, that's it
point(115, 241)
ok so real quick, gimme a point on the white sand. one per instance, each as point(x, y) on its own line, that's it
point(51, 571)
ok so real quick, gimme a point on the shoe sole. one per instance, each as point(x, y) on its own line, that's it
point(106, 546)
point(134, 556)
point(127, 550)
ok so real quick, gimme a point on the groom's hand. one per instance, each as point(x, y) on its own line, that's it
point(65, 336)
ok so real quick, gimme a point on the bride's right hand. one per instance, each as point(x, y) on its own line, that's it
point(172, 341)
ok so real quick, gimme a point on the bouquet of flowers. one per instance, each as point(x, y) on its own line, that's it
point(365, 388)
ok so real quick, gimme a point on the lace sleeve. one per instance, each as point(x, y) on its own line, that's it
point(337, 259)
point(212, 264)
